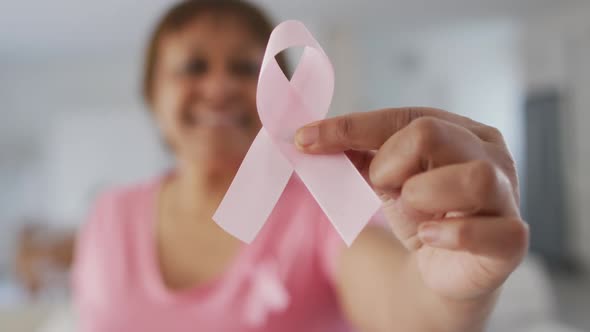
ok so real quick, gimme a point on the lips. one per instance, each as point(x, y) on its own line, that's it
point(217, 119)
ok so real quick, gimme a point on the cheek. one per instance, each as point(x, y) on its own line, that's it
point(251, 101)
point(167, 128)
point(167, 124)
point(169, 101)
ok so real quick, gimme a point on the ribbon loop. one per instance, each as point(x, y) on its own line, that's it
point(284, 106)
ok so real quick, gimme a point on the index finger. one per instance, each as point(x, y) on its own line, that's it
point(366, 130)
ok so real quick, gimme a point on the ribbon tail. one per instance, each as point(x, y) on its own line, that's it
point(255, 189)
point(340, 190)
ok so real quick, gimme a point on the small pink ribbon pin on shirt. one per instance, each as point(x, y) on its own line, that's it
point(283, 107)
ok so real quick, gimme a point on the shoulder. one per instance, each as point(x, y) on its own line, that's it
point(109, 239)
point(122, 202)
point(126, 195)
point(114, 218)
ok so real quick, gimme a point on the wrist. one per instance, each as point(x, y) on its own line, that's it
point(452, 312)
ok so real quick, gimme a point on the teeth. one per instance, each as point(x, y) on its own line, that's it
point(216, 119)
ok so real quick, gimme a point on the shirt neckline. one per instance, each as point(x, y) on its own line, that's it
point(203, 290)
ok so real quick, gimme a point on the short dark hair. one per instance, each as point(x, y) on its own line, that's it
point(185, 12)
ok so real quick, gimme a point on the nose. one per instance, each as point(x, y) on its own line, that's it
point(218, 87)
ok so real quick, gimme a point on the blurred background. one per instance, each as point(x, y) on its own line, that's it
point(73, 122)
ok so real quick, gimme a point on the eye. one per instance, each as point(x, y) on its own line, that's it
point(244, 68)
point(195, 67)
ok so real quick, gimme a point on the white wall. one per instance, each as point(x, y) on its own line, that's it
point(470, 68)
point(88, 153)
point(41, 155)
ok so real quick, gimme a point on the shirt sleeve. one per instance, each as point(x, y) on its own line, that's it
point(86, 267)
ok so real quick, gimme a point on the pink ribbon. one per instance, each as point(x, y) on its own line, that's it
point(284, 106)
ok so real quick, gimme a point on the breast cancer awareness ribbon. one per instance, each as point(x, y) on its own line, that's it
point(283, 107)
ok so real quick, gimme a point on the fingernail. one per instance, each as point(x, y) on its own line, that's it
point(385, 197)
point(307, 136)
point(430, 233)
point(388, 196)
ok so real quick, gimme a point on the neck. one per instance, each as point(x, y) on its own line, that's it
point(197, 190)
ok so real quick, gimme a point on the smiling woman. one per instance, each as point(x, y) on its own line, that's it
point(150, 258)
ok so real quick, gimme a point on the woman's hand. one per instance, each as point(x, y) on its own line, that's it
point(449, 188)
point(39, 248)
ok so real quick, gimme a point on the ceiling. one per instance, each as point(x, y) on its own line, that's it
point(38, 28)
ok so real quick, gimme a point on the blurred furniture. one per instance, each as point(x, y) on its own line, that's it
point(528, 302)
point(543, 181)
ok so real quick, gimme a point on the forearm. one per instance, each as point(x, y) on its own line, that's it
point(381, 289)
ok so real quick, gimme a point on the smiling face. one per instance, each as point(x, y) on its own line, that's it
point(204, 91)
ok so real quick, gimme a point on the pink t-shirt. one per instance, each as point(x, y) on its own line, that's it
point(280, 282)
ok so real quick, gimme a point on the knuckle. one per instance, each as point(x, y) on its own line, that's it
point(488, 133)
point(343, 128)
point(482, 180)
point(493, 132)
point(427, 134)
point(402, 118)
point(414, 113)
point(519, 233)
point(507, 164)
point(376, 175)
